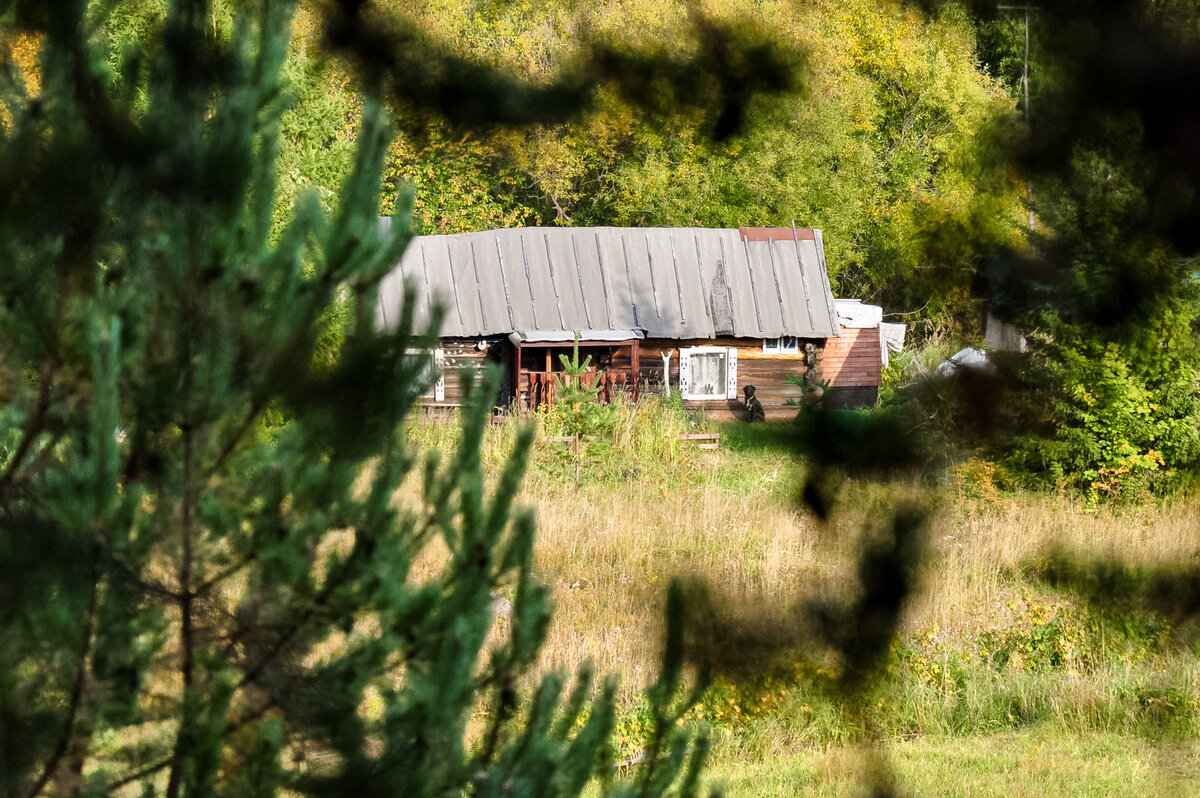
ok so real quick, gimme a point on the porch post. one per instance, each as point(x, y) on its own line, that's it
point(516, 369)
point(633, 357)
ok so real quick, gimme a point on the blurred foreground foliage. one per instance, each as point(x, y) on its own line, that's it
point(196, 601)
point(206, 582)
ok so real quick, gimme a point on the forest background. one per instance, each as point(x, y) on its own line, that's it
point(901, 135)
point(224, 571)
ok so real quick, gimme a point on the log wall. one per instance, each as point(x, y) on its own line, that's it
point(460, 354)
point(850, 364)
point(767, 372)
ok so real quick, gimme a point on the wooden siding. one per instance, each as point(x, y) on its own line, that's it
point(460, 354)
point(767, 372)
point(853, 360)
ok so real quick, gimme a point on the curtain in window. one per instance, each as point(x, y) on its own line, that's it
point(708, 374)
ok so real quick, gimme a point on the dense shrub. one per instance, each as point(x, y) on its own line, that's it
point(1120, 419)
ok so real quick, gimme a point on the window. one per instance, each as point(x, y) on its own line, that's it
point(707, 372)
point(785, 345)
point(433, 374)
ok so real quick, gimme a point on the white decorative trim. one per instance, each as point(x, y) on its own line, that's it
point(685, 365)
point(731, 373)
point(439, 365)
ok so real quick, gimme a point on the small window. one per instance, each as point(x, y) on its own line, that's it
point(433, 374)
point(785, 345)
point(707, 373)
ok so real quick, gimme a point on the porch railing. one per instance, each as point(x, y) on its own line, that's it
point(542, 386)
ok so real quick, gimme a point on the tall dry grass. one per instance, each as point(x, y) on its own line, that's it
point(609, 547)
point(609, 554)
point(981, 550)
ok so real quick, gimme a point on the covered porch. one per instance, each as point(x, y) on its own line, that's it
point(537, 363)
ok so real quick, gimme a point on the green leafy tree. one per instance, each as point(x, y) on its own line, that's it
point(194, 601)
point(1107, 288)
point(1115, 409)
point(890, 144)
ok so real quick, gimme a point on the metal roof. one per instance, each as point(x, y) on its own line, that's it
point(568, 336)
point(668, 282)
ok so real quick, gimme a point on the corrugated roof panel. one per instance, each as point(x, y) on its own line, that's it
point(712, 257)
point(809, 291)
point(737, 275)
point(784, 295)
point(490, 278)
point(791, 282)
point(391, 289)
point(824, 314)
point(462, 282)
point(823, 272)
point(611, 250)
point(519, 280)
point(665, 288)
point(386, 309)
point(643, 282)
point(549, 309)
point(424, 291)
point(576, 314)
point(657, 279)
point(436, 265)
point(597, 292)
point(766, 292)
point(693, 288)
point(566, 336)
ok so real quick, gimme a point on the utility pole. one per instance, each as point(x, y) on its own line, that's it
point(1025, 90)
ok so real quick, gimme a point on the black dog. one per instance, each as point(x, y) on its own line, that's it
point(754, 407)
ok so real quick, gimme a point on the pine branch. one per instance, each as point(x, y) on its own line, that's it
point(42, 459)
point(208, 584)
point(33, 427)
point(187, 640)
point(76, 699)
point(149, 770)
point(231, 444)
point(332, 583)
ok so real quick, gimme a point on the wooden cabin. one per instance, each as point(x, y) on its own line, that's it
point(699, 311)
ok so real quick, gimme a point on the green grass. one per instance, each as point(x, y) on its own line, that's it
point(1000, 684)
point(1038, 762)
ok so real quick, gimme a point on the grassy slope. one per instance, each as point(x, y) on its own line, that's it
point(1039, 762)
point(1000, 687)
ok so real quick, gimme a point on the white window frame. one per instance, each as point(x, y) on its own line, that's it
point(784, 345)
point(685, 366)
